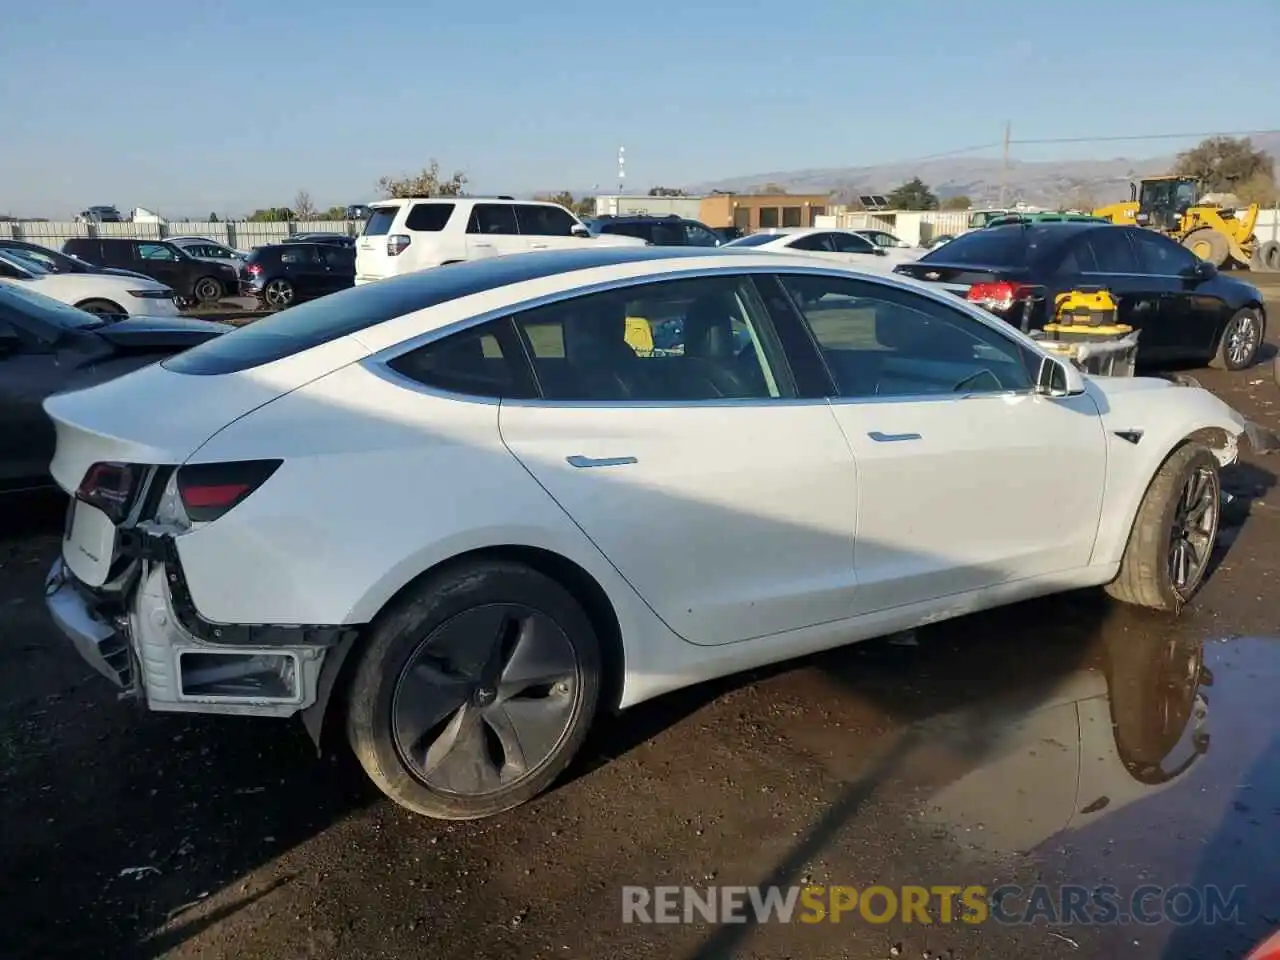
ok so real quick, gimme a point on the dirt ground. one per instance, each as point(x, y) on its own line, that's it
point(1069, 740)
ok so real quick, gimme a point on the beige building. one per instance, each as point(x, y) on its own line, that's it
point(750, 212)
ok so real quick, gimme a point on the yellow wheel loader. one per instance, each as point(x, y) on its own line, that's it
point(1206, 225)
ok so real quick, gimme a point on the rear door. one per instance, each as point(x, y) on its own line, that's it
point(546, 227)
point(372, 259)
point(727, 503)
point(1110, 260)
point(494, 231)
point(304, 266)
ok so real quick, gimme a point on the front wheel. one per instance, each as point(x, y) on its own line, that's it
point(1174, 533)
point(104, 308)
point(1240, 341)
point(475, 692)
point(207, 290)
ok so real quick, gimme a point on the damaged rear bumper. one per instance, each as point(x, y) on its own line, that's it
point(141, 632)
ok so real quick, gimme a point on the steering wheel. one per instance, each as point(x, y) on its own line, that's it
point(975, 376)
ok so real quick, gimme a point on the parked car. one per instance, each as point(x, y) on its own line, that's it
point(98, 293)
point(100, 214)
point(841, 246)
point(1182, 306)
point(202, 248)
point(283, 274)
point(403, 236)
point(54, 261)
point(465, 491)
point(194, 280)
point(727, 233)
point(47, 347)
point(668, 231)
point(337, 239)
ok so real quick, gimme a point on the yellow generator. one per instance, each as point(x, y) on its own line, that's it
point(1173, 205)
point(1086, 331)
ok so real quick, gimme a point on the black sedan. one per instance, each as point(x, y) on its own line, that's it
point(56, 261)
point(47, 347)
point(1184, 308)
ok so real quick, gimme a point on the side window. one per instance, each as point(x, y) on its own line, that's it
point(704, 338)
point(428, 217)
point(667, 235)
point(1161, 255)
point(879, 341)
point(544, 221)
point(340, 258)
point(299, 255)
point(155, 251)
point(814, 241)
point(493, 218)
point(696, 235)
point(1078, 259)
point(471, 362)
point(852, 243)
point(641, 231)
point(1112, 251)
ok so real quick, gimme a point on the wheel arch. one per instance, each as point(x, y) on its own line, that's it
point(339, 666)
point(79, 305)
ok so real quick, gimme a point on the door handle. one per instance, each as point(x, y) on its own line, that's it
point(879, 437)
point(539, 246)
point(578, 460)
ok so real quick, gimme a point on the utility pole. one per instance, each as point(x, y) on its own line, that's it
point(1004, 168)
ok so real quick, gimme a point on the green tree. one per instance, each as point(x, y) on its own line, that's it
point(1223, 163)
point(333, 213)
point(913, 195)
point(272, 215)
point(666, 192)
point(959, 202)
point(426, 183)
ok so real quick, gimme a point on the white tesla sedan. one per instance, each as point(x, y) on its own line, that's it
point(848, 247)
point(460, 510)
point(101, 293)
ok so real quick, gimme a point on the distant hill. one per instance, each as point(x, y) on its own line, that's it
point(1045, 183)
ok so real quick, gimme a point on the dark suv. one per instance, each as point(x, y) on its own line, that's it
point(668, 231)
point(282, 274)
point(192, 279)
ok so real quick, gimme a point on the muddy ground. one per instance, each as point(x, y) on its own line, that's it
point(1065, 741)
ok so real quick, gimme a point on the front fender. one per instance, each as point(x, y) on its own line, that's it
point(1144, 421)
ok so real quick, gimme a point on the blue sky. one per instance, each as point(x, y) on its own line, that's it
point(227, 105)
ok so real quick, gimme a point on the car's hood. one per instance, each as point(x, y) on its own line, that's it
point(176, 333)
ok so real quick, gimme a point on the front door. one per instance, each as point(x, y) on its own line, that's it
point(725, 501)
point(493, 231)
point(1108, 258)
point(1190, 312)
point(966, 478)
point(161, 261)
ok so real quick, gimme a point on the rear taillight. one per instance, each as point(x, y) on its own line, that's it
point(209, 490)
point(999, 297)
point(397, 244)
point(253, 269)
point(111, 488)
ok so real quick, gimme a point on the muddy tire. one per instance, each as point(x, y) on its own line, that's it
point(1267, 257)
point(474, 691)
point(105, 308)
point(1240, 341)
point(1173, 534)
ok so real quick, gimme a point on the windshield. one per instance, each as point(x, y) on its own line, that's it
point(755, 240)
point(24, 261)
point(22, 306)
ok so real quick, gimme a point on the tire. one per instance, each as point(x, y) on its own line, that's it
point(1267, 256)
point(278, 294)
point(1152, 683)
point(106, 308)
point(1208, 244)
point(1240, 341)
point(1146, 577)
point(447, 642)
point(207, 290)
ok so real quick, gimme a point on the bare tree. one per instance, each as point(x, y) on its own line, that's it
point(1224, 163)
point(426, 183)
point(303, 208)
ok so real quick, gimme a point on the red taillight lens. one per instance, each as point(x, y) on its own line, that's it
point(253, 269)
point(397, 244)
point(999, 297)
point(209, 490)
point(110, 487)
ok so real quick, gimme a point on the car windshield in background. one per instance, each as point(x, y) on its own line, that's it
point(755, 240)
point(18, 304)
point(991, 247)
point(25, 261)
point(380, 220)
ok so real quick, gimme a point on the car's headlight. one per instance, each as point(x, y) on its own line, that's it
point(162, 293)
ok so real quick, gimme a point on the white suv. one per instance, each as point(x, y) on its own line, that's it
point(402, 236)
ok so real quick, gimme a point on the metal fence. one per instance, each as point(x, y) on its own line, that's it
point(237, 234)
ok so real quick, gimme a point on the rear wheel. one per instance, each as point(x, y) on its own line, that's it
point(1174, 533)
point(103, 308)
point(1208, 244)
point(278, 294)
point(207, 290)
point(475, 691)
point(1240, 341)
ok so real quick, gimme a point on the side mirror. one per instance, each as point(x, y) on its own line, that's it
point(578, 230)
point(1058, 379)
point(881, 252)
point(1203, 270)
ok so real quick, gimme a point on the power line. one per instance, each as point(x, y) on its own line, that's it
point(1149, 136)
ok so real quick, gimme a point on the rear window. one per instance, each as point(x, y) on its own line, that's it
point(380, 220)
point(427, 217)
point(990, 247)
point(755, 240)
